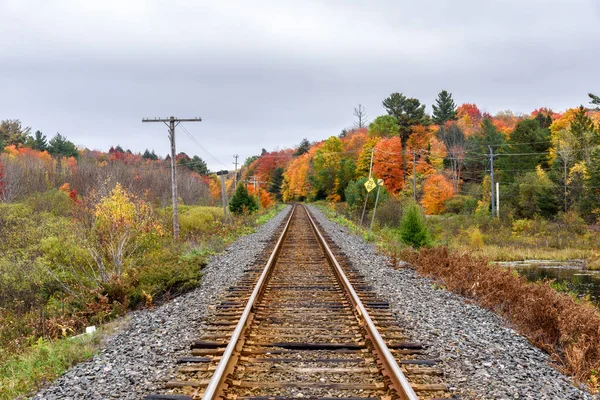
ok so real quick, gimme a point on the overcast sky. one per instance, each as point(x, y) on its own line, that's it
point(265, 74)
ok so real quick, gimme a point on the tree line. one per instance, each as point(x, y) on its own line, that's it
point(546, 162)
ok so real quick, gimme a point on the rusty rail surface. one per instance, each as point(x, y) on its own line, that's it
point(302, 322)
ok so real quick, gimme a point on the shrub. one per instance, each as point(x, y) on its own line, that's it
point(56, 202)
point(460, 204)
point(121, 225)
point(242, 202)
point(476, 238)
point(198, 220)
point(356, 193)
point(413, 230)
point(389, 213)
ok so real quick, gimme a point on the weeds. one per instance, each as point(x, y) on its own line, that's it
point(555, 322)
point(43, 362)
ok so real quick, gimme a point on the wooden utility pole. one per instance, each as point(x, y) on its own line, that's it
point(236, 164)
point(415, 176)
point(224, 198)
point(172, 122)
point(492, 178)
point(362, 217)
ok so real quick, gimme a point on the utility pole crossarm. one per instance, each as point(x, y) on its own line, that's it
point(169, 119)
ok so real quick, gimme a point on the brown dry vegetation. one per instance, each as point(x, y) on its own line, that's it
point(555, 322)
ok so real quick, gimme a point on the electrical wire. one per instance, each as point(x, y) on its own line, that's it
point(199, 145)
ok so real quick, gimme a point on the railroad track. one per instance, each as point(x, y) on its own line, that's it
point(303, 324)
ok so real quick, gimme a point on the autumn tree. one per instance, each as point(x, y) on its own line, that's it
point(437, 189)
point(296, 184)
point(469, 118)
point(326, 164)
point(387, 163)
point(445, 110)
point(120, 226)
point(456, 146)
point(13, 133)
point(360, 113)
point(363, 162)
point(407, 112)
point(384, 126)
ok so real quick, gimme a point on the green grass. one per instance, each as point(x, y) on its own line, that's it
point(37, 241)
point(24, 373)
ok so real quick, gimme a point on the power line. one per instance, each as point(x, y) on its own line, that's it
point(202, 147)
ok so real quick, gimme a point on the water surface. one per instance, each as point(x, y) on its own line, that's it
point(576, 280)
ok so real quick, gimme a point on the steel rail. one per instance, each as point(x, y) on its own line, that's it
point(212, 390)
point(399, 381)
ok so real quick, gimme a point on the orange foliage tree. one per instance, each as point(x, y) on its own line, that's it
point(387, 163)
point(469, 118)
point(437, 189)
point(265, 197)
point(296, 185)
point(354, 142)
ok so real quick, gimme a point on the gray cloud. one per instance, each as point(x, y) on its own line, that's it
point(269, 74)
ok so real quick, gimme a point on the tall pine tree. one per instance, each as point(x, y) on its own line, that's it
point(595, 100)
point(445, 110)
point(407, 111)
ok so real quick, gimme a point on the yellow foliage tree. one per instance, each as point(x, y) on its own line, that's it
point(121, 224)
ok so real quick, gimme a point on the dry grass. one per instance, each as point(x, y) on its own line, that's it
point(567, 329)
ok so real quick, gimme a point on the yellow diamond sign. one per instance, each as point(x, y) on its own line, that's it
point(370, 184)
point(380, 182)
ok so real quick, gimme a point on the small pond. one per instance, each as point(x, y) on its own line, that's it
point(570, 274)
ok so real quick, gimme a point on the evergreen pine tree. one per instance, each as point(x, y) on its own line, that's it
point(445, 109)
point(413, 229)
point(303, 147)
point(276, 179)
point(39, 141)
point(407, 111)
point(62, 147)
point(595, 100)
point(241, 201)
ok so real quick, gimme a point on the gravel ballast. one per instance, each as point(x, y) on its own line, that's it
point(138, 358)
point(481, 356)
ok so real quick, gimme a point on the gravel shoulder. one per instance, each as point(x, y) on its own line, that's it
point(481, 356)
point(140, 356)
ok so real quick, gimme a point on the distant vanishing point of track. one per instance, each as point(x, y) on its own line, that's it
point(303, 323)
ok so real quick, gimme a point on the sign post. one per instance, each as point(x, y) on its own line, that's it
point(379, 185)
